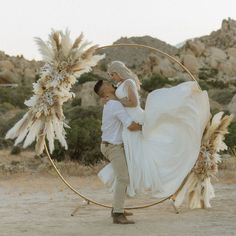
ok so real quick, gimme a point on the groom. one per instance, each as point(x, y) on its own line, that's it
point(113, 119)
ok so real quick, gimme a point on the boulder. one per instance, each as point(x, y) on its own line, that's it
point(29, 73)
point(231, 52)
point(215, 57)
point(87, 95)
point(7, 77)
point(191, 63)
point(217, 53)
point(165, 68)
point(226, 67)
point(196, 46)
point(6, 65)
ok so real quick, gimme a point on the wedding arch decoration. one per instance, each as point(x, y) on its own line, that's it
point(65, 61)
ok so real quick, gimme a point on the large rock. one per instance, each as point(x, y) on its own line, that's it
point(231, 52)
point(191, 63)
point(226, 67)
point(29, 73)
point(7, 77)
point(215, 57)
point(87, 95)
point(165, 68)
point(196, 46)
point(223, 38)
point(6, 65)
point(217, 53)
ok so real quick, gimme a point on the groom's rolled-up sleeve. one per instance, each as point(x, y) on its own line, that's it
point(121, 114)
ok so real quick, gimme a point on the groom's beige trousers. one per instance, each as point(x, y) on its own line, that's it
point(116, 155)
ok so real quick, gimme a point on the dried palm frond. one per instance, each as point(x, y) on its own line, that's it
point(64, 63)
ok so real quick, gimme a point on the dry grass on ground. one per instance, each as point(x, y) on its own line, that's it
point(26, 162)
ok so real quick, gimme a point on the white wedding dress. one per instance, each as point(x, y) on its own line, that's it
point(161, 155)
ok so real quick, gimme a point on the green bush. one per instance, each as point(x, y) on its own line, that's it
point(88, 77)
point(157, 81)
point(231, 137)
point(15, 96)
point(83, 137)
point(5, 106)
point(213, 84)
point(6, 124)
point(103, 66)
point(206, 73)
point(16, 150)
point(222, 96)
point(5, 143)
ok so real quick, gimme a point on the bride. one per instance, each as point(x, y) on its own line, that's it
point(161, 155)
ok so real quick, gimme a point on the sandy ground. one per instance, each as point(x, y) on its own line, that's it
point(36, 204)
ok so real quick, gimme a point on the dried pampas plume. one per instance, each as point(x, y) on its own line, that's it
point(65, 62)
point(197, 187)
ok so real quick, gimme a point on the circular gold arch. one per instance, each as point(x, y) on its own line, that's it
point(89, 200)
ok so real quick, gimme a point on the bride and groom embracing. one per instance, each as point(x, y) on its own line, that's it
point(152, 150)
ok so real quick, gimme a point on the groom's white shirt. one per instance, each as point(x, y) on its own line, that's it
point(113, 119)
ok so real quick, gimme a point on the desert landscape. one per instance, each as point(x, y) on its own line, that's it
point(34, 201)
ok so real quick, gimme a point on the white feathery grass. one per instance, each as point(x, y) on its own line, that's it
point(33, 132)
point(50, 134)
point(44, 49)
point(64, 62)
point(13, 132)
point(198, 188)
point(66, 42)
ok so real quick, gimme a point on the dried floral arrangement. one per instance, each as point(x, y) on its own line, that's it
point(65, 61)
point(197, 187)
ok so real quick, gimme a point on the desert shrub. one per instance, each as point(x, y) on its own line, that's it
point(218, 84)
point(16, 150)
point(5, 106)
point(15, 96)
point(76, 102)
point(83, 137)
point(206, 73)
point(103, 66)
point(5, 143)
point(88, 77)
point(157, 81)
point(230, 139)
point(204, 85)
point(222, 96)
point(6, 124)
point(213, 84)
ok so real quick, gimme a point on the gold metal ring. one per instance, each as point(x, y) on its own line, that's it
point(54, 165)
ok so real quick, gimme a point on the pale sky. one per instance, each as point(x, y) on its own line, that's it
point(105, 21)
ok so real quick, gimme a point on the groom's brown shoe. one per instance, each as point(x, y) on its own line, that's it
point(126, 213)
point(119, 218)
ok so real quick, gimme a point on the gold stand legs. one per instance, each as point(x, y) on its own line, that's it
point(77, 208)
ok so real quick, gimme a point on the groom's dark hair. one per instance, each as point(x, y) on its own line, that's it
point(98, 86)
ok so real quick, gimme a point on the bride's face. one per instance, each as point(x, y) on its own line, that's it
point(115, 77)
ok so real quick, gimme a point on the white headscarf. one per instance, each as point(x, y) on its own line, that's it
point(124, 72)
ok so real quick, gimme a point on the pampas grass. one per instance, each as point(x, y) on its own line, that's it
point(65, 61)
point(197, 187)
